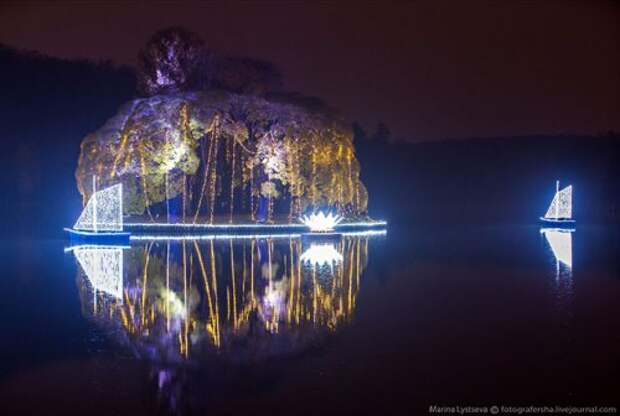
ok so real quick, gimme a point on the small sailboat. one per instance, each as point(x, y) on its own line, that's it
point(101, 220)
point(560, 211)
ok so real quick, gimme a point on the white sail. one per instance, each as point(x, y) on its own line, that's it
point(561, 206)
point(103, 267)
point(561, 245)
point(104, 211)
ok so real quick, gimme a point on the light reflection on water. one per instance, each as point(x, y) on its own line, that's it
point(560, 244)
point(212, 325)
point(176, 301)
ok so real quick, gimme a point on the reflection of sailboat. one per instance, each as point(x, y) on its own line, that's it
point(561, 245)
point(102, 217)
point(560, 210)
point(103, 266)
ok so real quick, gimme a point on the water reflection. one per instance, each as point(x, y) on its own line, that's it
point(319, 255)
point(103, 267)
point(561, 245)
point(244, 300)
point(560, 242)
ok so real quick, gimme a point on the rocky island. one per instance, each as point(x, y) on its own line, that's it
point(200, 148)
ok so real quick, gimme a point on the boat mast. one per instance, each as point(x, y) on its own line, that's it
point(120, 203)
point(557, 201)
point(94, 197)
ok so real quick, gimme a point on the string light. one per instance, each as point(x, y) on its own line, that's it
point(159, 237)
point(240, 227)
point(189, 237)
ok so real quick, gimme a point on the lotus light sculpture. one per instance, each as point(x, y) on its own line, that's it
point(321, 223)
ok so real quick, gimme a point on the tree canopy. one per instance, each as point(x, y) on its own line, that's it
point(176, 60)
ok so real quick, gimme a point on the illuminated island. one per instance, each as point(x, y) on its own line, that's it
point(219, 154)
point(194, 157)
point(229, 225)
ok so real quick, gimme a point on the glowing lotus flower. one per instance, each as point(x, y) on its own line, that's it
point(321, 255)
point(320, 222)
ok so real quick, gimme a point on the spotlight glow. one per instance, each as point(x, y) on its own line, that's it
point(320, 222)
point(321, 255)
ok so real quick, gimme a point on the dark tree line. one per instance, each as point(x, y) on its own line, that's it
point(47, 106)
point(382, 133)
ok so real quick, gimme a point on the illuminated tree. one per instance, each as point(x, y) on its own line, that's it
point(258, 152)
point(172, 60)
point(176, 59)
point(225, 154)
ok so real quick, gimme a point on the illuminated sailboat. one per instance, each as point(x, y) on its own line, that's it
point(560, 211)
point(102, 217)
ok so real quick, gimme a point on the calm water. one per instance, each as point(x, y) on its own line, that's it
point(422, 316)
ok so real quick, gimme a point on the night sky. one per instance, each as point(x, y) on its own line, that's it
point(429, 70)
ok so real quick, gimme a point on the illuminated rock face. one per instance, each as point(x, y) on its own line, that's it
point(213, 155)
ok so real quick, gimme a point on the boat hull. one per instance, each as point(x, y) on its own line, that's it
point(103, 237)
point(558, 223)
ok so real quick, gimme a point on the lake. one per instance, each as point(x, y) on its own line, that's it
point(396, 323)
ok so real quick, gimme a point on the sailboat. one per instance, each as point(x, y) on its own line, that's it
point(560, 211)
point(102, 218)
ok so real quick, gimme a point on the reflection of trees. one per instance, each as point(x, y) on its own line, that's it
point(248, 298)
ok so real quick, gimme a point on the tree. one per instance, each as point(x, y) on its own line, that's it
point(247, 75)
point(176, 59)
point(172, 60)
point(359, 134)
point(308, 103)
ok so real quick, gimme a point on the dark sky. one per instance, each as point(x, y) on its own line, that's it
point(429, 70)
